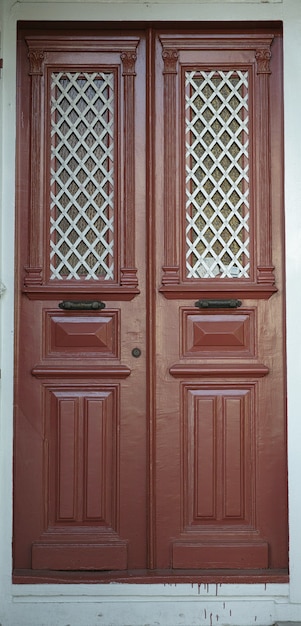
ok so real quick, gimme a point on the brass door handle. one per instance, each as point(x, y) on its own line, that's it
point(89, 305)
point(218, 304)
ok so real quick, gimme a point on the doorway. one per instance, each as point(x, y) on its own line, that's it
point(150, 422)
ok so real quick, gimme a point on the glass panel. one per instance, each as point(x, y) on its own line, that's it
point(217, 174)
point(82, 176)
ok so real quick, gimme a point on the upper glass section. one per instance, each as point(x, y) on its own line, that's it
point(217, 174)
point(82, 176)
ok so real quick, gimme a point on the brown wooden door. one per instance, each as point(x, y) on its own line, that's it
point(150, 390)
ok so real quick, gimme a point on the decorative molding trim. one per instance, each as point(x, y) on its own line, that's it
point(33, 276)
point(262, 290)
point(171, 275)
point(258, 370)
point(35, 290)
point(224, 42)
point(265, 275)
point(82, 43)
point(101, 371)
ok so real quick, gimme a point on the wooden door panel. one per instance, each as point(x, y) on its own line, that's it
point(218, 556)
point(93, 556)
point(218, 334)
point(83, 97)
point(83, 431)
point(218, 456)
point(81, 457)
point(218, 386)
point(70, 335)
point(218, 486)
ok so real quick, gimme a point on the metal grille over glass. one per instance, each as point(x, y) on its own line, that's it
point(217, 174)
point(82, 176)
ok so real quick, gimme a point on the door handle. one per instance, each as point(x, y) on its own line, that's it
point(218, 304)
point(89, 305)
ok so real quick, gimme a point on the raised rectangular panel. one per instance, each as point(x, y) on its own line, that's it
point(218, 334)
point(67, 443)
point(95, 456)
point(205, 460)
point(95, 335)
point(81, 481)
point(218, 454)
point(83, 455)
point(64, 556)
point(252, 555)
point(234, 444)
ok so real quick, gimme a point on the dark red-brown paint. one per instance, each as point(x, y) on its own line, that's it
point(170, 466)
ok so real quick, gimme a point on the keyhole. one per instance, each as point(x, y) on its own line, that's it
point(136, 352)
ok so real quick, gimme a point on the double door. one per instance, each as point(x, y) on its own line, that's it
point(150, 373)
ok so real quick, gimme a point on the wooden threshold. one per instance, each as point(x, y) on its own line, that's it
point(152, 576)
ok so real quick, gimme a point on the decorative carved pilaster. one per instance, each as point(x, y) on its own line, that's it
point(265, 269)
point(171, 270)
point(128, 271)
point(34, 270)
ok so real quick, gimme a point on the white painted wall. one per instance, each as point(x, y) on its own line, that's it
point(152, 605)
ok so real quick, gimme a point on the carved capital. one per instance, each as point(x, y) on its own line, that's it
point(128, 59)
point(170, 58)
point(36, 59)
point(263, 61)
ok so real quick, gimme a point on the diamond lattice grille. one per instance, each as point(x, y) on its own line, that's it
point(82, 176)
point(217, 174)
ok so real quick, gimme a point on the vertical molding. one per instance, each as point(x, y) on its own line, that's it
point(265, 269)
point(81, 492)
point(151, 317)
point(171, 270)
point(128, 271)
point(34, 269)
